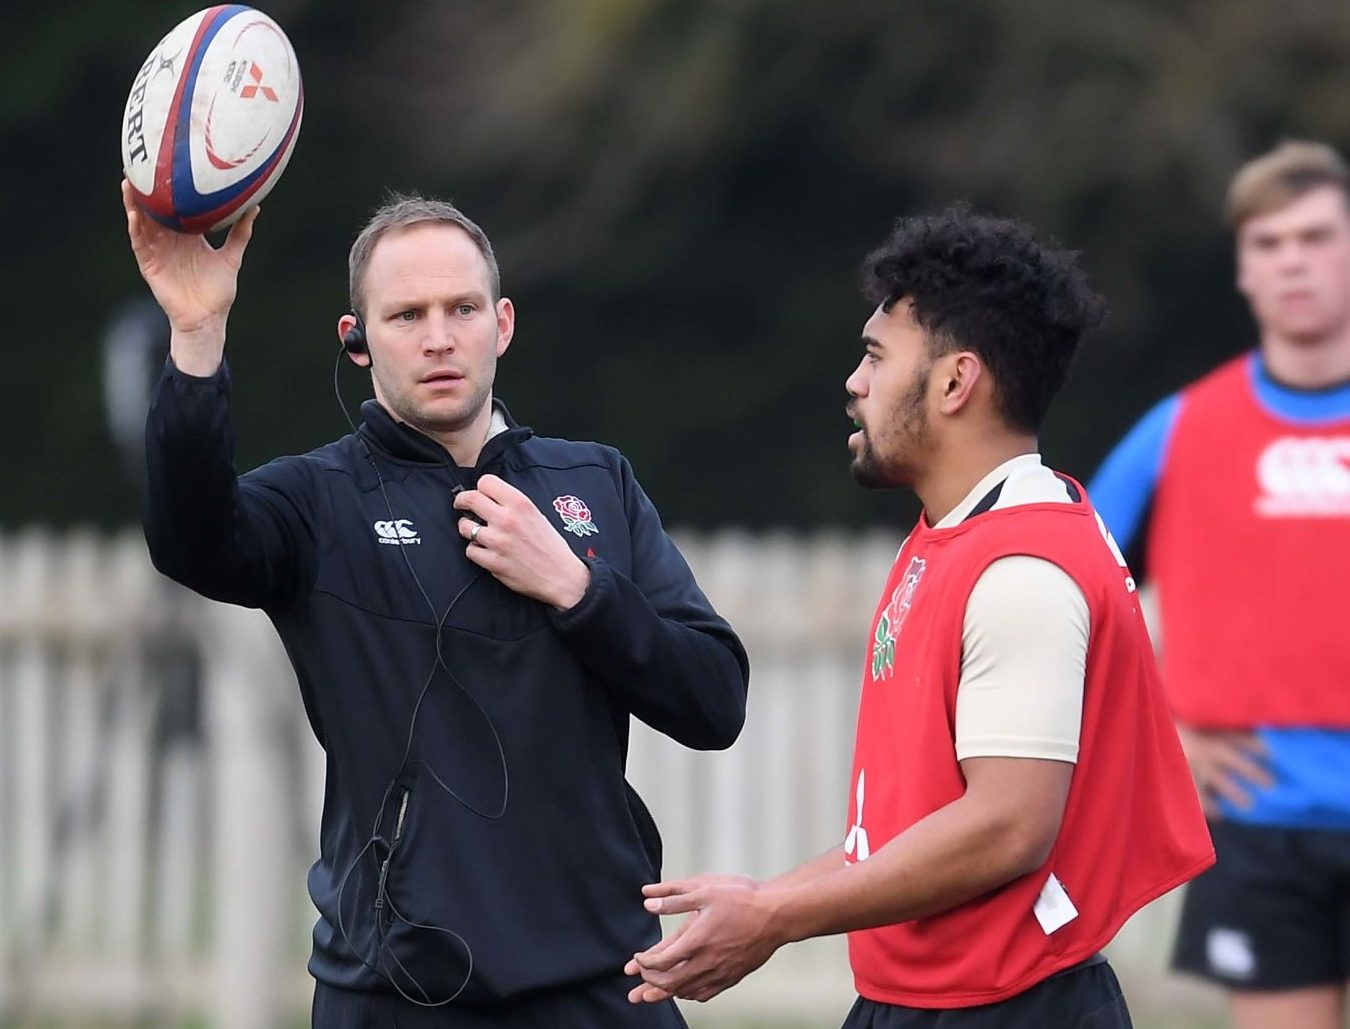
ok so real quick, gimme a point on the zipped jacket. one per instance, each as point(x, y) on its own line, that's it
point(491, 842)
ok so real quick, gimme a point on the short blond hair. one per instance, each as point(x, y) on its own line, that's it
point(402, 211)
point(1274, 179)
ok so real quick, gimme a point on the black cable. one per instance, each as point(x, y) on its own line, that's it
point(440, 622)
point(382, 899)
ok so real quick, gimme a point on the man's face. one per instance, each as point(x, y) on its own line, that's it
point(433, 329)
point(1294, 267)
point(888, 397)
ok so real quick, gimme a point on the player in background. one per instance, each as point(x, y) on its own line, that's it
point(1018, 789)
point(1237, 491)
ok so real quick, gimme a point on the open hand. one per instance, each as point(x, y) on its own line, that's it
point(729, 934)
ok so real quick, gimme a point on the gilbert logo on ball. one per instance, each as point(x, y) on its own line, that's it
point(212, 118)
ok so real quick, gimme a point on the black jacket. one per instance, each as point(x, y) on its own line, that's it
point(529, 708)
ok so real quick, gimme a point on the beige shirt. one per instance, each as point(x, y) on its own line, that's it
point(1024, 639)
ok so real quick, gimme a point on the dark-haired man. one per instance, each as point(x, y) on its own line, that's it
point(1018, 787)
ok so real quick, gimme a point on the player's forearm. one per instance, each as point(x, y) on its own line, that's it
point(201, 530)
point(687, 679)
point(823, 864)
point(190, 497)
point(954, 855)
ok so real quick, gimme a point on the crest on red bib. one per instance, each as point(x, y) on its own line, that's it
point(892, 620)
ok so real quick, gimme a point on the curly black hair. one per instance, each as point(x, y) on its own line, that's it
point(986, 285)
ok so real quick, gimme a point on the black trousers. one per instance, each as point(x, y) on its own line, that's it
point(601, 1004)
point(1083, 997)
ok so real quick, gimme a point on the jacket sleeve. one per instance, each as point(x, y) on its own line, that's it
point(655, 639)
point(246, 540)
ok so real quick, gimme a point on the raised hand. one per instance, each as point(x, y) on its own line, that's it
point(194, 282)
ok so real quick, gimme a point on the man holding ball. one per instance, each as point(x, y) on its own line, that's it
point(473, 613)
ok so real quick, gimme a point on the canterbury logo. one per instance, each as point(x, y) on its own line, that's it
point(1307, 476)
point(399, 532)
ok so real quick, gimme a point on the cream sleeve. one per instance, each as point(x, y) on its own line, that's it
point(1023, 656)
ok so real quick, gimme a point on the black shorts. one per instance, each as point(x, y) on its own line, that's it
point(597, 1005)
point(1082, 997)
point(1274, 911)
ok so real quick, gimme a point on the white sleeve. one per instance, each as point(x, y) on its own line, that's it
point(1023, 658)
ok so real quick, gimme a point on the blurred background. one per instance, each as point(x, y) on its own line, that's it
point(680, 193)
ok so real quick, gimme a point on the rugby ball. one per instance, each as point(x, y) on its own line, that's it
point(212, 118)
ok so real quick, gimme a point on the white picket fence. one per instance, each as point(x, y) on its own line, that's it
point(159, 788)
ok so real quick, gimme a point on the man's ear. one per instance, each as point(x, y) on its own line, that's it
point(959, 374)
point(345, 325)
point(506, 324)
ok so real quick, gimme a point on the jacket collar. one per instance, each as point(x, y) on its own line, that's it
point(401, 441)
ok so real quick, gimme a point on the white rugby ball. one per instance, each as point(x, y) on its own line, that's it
point(212, 118)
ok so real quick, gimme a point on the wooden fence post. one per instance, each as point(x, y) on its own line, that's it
point(246, 717)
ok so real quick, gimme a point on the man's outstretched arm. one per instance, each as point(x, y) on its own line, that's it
point(1003, 827)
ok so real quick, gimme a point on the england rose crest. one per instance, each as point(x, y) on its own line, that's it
point(575, 515)
point(892, 620)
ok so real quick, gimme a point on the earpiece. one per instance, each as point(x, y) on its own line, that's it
point(354, 339)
